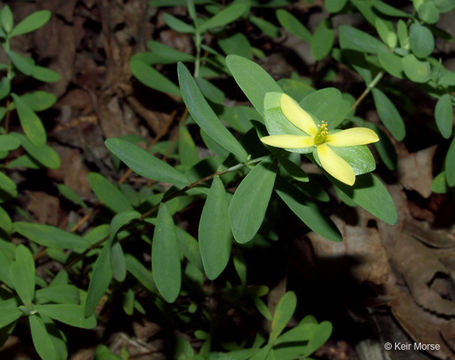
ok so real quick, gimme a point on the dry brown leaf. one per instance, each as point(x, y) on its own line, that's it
point(45, 207)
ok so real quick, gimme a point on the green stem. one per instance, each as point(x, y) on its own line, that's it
point(367, 90)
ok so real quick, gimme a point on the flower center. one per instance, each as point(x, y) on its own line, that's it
point(322, 133)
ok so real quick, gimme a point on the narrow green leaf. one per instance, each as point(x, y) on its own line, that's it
point(265, 26)
point(51, 236)
point(391, 63)
point(322, 40)
point(5, 221)
point(294, 26)
point(108, 194)
point(22, 274)
point(6, 18)
point(210, 91)
point(428, 12)
point(144, 163)
point(44, 155)
point(100, 280)
point(118, 262)
point(8, 314)
point(152, 78)
point(120, 220)
point(8, 143)
point(41, 339)
point(187, 148)
point(283, 313)
point(421, 40)
point(449, 164)
point(439, 184)
point(177, 24)
point(354, 39)
point(166, 268)
point(334, 6)
point(225, 16)
point(30, 122)
point(389, 10)
point(254, 81)
point(386, 32)
point(20, 62)
point(236, 44)
point(369, 193)
point(443, 113)
point(7, 185)
point(189, 247)
point(5, 88)
point(204, 116)
point(325, 105)
point(307, 211)
point(58, 293)
point(69, 314)
point(142, 274)
point(39, 100)
point(389, 114)
point(167, 54)
point(214, 231)
point(31, 22)
point(403, 36)
point(250, 201)
point(44, 74)
point(71, 195)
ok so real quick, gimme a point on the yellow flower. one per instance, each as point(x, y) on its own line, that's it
point(320, 138)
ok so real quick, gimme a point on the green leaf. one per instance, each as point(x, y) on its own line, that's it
point(428, 12)
point(322, 40)
point(325, 105)
point(443, 113)
point(391, 63)
point(118, 262)
point(359, 157)
point(236, 44)
point(8, 314)
point(7, 185)
point(294, 26)
point(108, 194)
point(307, 211)
point(166, 268)
point(450, 160)
point(152, 78)
point(41, 339)
point(214, 231)
point(31, 22)
point(204, 116)
point(21, 63)
point(266, 27)
point(250, 201)
point(30, 122)
point(39, 100)
point(120, 220)
point(354, 39)
point(439, 184)
point(389, 10)
point(6, 18)
point(5, 88)
point(22, 274)
point(385, 148)
point(403, 36)
point(386, 32)
point(177, 24)
point(225, 16)
point(142, 274)
point(167, 54)
point(51, 236)
point(71, 195)
point(283, 313)
point(44, 74)
point(444, 5)
point(8, 143)
point(69, 314)
point(369, 193)
point(100, 280)
point(5, 221)
point(44, 155)
point(187, 148)
point(415, 70)
point(421, 39)
point(334, 6)
point(189, 247)
point(58, 293)
point(389, 114)
point(210, 91)
point(144, 163)
point(254, 81)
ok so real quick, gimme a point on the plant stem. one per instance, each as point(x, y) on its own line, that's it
point(367, 90)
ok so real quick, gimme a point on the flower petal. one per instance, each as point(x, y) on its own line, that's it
point(335, 165)
point(297, 116)
point(352, 137)
point(288, 141)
